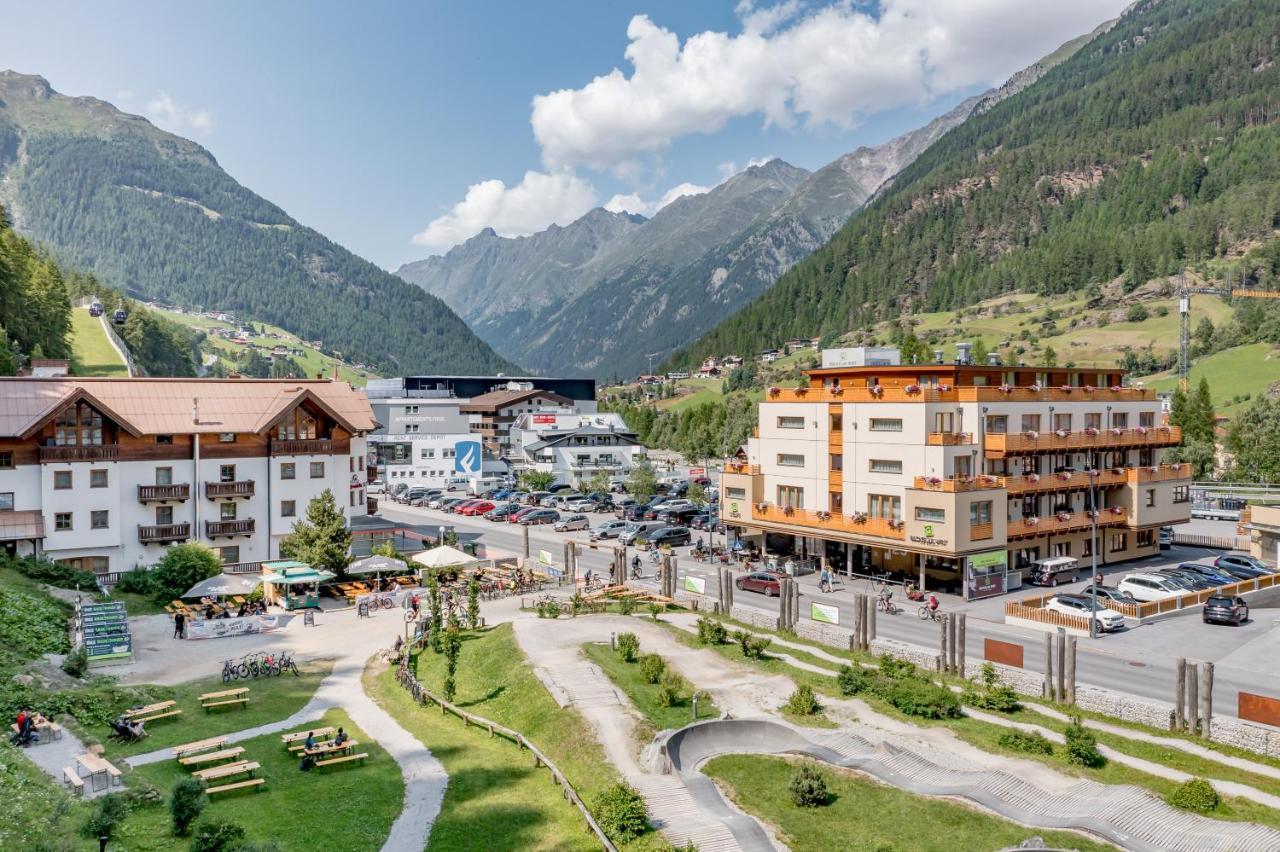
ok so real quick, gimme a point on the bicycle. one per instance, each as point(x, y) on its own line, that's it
point(229, 672)
point(886, 605)
point(928, 613)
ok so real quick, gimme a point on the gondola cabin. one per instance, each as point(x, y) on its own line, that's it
point(95, 309)
point(119, 317)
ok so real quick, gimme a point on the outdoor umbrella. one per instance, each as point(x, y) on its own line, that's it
point(443, 557)
point(377, 564)
point(224, 584)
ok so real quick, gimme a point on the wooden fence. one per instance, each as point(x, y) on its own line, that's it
point(1150, 608)
point(1014, 609)
point(422, 695)
point(1214, 542)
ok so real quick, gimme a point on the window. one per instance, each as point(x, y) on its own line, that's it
point(229, 554)
point(884, 506)
point(411, 428)
point(928, 513)
point(1146, 538)
point(1151, 497)
point(1093, 420)
point(837, 423)
point(1119, 541)
point(227, 473)
point(62, 521)
point(448, 453)
point(164, 515)
point(997, 424)
point(1182, 493)
point(288, 470)
point(1031, 423)
point(791, 496)
point(317, 470)
point(351, 497)
point(886, 424)
point(1088, 548)
point(837, 461)
point(790, 460)
point(98, 478)
point(730, 493)
point(1062, 422)
point(1147, 419)
point(98, 519)
point(411, 409)
point(78, 425)
point(979, 512)
point(227, 511)
point(164, 476)
point(226, 437)
point(6, 501)
point(164, 439)
point(885, 466)
point(61, 480)
point(298, 424)
point(426, 453)
point(1119, 420)
point(790, 422)
point(6, 460)
point(288, 508)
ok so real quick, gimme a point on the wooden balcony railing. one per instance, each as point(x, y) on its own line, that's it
point(241, 568)
point(949, 439)
point(1053, 394)
point(967, 483)
point(950, 393)
point(1036, 483)
point(93, 452)
point(742, 467)
point(220, 490)
point(981, 532)
point(1043, 442)
point(856, 525)
point(1066, 522)
point(1159, 473)
point(213, 529)
point(164, 532)
point(302, 447)
point(163, 493)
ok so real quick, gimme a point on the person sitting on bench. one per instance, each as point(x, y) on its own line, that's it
point(310, 742)
point(341, 737)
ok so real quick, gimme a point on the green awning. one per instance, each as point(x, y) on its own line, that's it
point(294, 572)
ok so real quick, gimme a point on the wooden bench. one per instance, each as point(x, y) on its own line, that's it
point(329, 748)
point(243, 702)
point(135, 712)
point(301, 736)
point(240, 767)
point(196, 759)
point(225, 693)
point(252, 782)
point(344, 759)
point(72, 778)
point(112, 772)
point(199, 745)
point(157, 716)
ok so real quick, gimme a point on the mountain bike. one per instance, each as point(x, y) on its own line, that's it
point(927, 613)
point(229, 671)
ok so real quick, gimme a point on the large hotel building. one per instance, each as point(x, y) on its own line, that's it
point(955, 474)
point(104, 473)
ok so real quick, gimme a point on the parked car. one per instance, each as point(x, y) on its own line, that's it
point(560, 486)
point(638, 529)
point(618, 485)
point(476, 507)
point(562, 499)
point(602, 498)
point(1108, 592)
point(539, 516)
point(421, 498)
point(465, 503)
point(1108, 619)
point(667, 506)
point(678, 517)
point(580, 504)
point(1234, 562)
point(569, 523)
point(519, 513)
point(411, 494)
point(535, 497)
point(1225, 609)
point(1214, 575)
point(1189, 580)
point(375, 487)
point(765, 582)
point(608, 529)
point(1055, 570)
point(1166, 538)
point(634, 512)
point(704, 481)
point(518, 497)
point(670, 537)
point(1150, 587)
point(622, 504)
point(699, 521)
point(502, 512)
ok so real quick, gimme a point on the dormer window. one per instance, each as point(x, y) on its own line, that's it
point(78, 425)
point(297, 425)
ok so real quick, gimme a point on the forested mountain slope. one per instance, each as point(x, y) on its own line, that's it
point(1154, 147)
point(154, 214)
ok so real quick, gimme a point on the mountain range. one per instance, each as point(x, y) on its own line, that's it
point(154, 215)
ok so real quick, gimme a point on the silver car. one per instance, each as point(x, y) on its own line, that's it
point(572, 522)
point(580, 504)
point(608, 529)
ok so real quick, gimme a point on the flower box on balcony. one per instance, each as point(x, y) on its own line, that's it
point(1033, 477)
point(774, 391)
point(1061, 433)
point(1031, 435)
point(1116, 389)
point(1088, 388)
point(1064, 517)
point(1066, 388)
point(1006, 389)
point(912, 389)
point(1142, 430)
point(1091, 432)
point(1031, 521)
point(1117, 432)
point(859, 517)
point(944, 387)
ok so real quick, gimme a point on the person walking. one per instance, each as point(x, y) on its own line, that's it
point(824, 579)
point(179, 625)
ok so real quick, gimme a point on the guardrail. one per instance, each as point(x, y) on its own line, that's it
point(422, 695)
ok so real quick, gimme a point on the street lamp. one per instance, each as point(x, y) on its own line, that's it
point(1093, 556)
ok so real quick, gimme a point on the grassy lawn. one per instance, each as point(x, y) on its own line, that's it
point(350, 806)
point(494, 680)
point(35, 812)
point(627, 677)
point(135, 604)
point(864, 814)
point(92, 350)
point(270, 699)
point(496, 799)
point(1232, 372)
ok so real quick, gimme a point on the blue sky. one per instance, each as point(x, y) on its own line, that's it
point(377, 122)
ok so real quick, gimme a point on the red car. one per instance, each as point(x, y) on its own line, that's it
point(457, 509)
point(514, 517)
point(765, 582)
point(476, 507)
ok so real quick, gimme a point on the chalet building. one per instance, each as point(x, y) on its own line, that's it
point(105, 473)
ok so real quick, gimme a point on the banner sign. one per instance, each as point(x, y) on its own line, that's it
point(825, 613)
point(697, 585)
point(697, 471)
point(544, 557)
point(986, 575)
point(544, 420)
point(218, 628)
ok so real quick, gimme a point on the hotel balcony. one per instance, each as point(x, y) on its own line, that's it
point(854, 525)
point(1000, 445)
point(163, 493)
point(1159, 473)
point(214, 529)
point(950, 393)
point(164, 532)
point(742, 467)
point(1066, 522)
point(228, 490)
point(949, 439)
point(302, 447)
point(92, 452)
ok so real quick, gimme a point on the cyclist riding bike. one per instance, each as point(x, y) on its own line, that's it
point(933, 602)
point(635, 566)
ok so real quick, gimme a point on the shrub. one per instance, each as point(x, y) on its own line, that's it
point(218, 836)
point(549, 609)
point(32, 624)
point(651, 667)
point(1196, 795)
point(1082, 745)
point(53, 573)
point(139, 581)
point(1137, 313)
point(895, 668)
point(626, 606)
point(181, 567)
point(802, 702)
point(753, 647)
point(576, 604)
point(77, 662)
point(992, 694)
point(924, 699)
point(854, 679)
point(628, 645)
point(620, 812)
point(108, 812)
point(671, 690)
point(656, 609)
point(711, 631)
point(1031, 742)
point(808, 787)
point(186, 803)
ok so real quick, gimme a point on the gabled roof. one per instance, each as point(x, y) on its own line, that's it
point(166, 406)
point(494, 401)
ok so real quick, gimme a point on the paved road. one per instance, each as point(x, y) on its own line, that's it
point(1138, 661)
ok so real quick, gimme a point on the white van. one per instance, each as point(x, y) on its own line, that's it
point(1055, 570)
point(638, 529)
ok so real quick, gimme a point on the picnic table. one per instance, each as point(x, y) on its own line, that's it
point(159, 710)
point(210, 757)
point(227, 770)
point(239, 695)
point(330, 748)
point(300, 736)
point(43, 724)
point(97, 767)
point(199, 745)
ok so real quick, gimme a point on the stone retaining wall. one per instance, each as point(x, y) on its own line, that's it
point(754, 617)
point(825, 634)
point(695, 602)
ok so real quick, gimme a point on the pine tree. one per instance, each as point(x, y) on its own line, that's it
point(322, 539)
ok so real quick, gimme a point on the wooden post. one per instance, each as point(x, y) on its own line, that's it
point(524, 528)
point(1071, 670)
point(942, 643)
point(568, 561)
point(871, 623)
point(857, 621)
point(953, 627)
point(1048, 666)
point(1180, 694)
point(1193, 700)
point(1206, 698)
point(1062, 666)
point(960, 661)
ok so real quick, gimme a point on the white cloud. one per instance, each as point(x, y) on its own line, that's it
point(633, 203)
point(830, 66)
point(177, 117)
point(539, 200)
